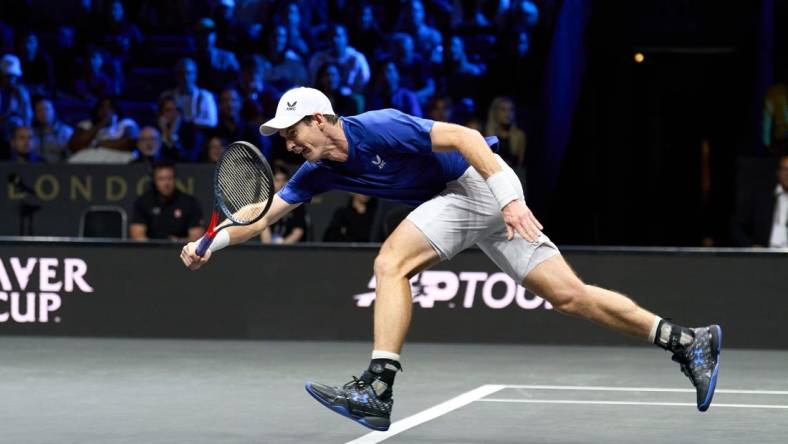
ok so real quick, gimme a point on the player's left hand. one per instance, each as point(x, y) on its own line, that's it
point(518, 218)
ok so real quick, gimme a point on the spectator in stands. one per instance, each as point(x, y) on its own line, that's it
point(415, 72)
point(411, 21)
point(352, 223)
point(23, 148)
point(353, 66)
point(63, 55)
point(501, 123)
point(388, 93)
point(461, 77)
point(217, 66)
point(286, 67)
point(230, 34)
point(120, 37)
point(197, 105)
point(440, 109)
point(763, 219)
point(298, 35)
point(252, 84)
point(148, 148)
point(343, 101)
point(164, 212)
point(521, 14)
point(291, 228)
point(775, 119)
point(51, 135)
point(232, 128)
point(93, 82)
point(174, 137)
point(365, 34)
point(15, 107)
point(106, 137)
point(214, 147)
point(36, 64)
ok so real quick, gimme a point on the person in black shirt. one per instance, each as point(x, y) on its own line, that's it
point(352, 223)
point(164, 212)
point(291, 228)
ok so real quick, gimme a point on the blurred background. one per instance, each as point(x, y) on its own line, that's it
point(649, 123)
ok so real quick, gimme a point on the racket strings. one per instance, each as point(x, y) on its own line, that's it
point(243, 188)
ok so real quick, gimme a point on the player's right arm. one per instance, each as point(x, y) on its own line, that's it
point(239, 233)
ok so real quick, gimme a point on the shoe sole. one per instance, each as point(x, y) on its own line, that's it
point(366, 421)
point(716, 336)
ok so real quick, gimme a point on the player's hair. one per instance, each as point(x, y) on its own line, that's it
point(331, 118)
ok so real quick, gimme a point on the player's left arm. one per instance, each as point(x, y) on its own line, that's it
point(470, 143)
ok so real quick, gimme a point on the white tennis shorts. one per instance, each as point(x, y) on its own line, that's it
point(466, 213)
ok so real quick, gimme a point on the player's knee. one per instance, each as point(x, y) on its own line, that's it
point(571, 299)
point(388, 265)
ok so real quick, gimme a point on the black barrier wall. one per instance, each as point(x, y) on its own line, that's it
point(142, 290)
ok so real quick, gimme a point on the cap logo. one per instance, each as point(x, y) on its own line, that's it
point(291, 106)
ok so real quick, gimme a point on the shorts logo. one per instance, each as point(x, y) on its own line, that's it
point(497, 291)
point(378, 162)
point(291, 106)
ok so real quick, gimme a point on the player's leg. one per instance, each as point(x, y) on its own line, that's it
point(405, 253)
point(696, 350)
point(368, 400)
point(555, 281)
point(540, 268)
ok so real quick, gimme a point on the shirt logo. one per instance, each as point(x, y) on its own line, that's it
point(177, 213)
point(291, 106)
point(378, 162)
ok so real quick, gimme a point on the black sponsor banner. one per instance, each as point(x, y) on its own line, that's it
point(311, 292)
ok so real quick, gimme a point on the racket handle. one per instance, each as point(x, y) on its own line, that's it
point(202, 247)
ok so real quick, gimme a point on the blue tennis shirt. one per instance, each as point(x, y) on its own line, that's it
point(389, 156)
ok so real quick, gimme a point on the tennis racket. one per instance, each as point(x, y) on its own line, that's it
point(243, 188)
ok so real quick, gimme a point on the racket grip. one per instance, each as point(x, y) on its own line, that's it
point(202, 247)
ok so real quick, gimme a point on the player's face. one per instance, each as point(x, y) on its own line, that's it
point(305, 139)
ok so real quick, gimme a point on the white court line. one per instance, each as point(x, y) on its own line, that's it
point(429, 414)
point(642, 389)
point(682, 404)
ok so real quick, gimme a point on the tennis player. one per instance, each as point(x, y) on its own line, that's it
point(463, 194)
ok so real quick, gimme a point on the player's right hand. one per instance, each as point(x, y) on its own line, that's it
point(190, 258)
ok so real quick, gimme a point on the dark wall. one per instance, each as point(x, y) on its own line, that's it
point(635, 169)
point(132, 290)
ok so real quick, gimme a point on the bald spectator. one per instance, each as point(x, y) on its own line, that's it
point(148, 148)
point(51, 135)
point(353, 66)
point(23, 146)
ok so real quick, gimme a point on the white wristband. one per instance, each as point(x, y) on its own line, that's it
point(221, 240)
point(502, 189)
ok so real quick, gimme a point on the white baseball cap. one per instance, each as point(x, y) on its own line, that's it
point(294, 105)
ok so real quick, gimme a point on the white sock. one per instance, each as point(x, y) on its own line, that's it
point(653, 334)
point(380, 354)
